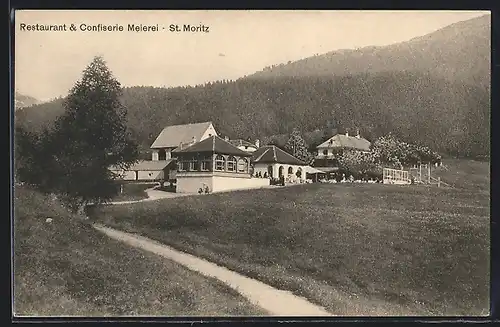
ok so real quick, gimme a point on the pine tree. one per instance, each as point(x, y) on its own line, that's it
point(90, 137)
point(297, 146)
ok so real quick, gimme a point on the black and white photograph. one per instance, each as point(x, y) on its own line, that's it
point(251, 163)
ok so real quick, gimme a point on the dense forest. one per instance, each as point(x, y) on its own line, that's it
point(449, 117)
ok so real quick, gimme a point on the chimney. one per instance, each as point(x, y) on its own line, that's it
point(346, 133)
point(357, 134)
point(193, 140)
point(226, 138)
point(257, 144)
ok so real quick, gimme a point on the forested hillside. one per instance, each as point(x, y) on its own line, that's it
point(449, 117)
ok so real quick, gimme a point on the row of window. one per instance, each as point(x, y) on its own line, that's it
point(221, 164)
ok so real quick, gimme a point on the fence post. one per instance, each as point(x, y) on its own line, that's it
point(429, 174)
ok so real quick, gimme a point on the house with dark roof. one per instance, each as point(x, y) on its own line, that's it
point(214, 164)
point(171, 137)
point(272, 162)
point(328, 150)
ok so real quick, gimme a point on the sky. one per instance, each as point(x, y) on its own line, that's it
point(238, 43)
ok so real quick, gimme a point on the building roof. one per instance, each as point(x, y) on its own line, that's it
point(344, 141)
point(146, 165)
point(172, 136)
point(241, 142)
point(273, 154)
point(213, 144)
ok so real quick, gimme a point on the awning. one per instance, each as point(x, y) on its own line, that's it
point(312, 170)
point(327, 169)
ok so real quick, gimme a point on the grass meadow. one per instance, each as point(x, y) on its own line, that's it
point(67, 268)
point(357, 249)
point(133, 191)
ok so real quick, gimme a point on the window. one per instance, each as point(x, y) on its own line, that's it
point(162, 154)
point(242, 165)
point(180, 166)
point(185, 165)
point(205, 165)
point(325, 152)
point(290, 170)
point(220, 163)
point(193, 164)
point(231, 164)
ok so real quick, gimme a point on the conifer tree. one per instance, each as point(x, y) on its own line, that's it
point(297, 146)
point(90, 137)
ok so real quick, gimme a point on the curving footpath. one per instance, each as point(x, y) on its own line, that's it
point(276, 302)
point(153, 194)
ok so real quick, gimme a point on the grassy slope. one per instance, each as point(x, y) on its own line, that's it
point(360, 249)
point(67, 268)
point(467, 174)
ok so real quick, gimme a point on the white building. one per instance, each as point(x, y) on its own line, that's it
point(327, 151)
point(271, 162)
point(216, 165)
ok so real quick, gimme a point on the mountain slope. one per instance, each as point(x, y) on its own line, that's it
point(459, 52)
point(22, 100)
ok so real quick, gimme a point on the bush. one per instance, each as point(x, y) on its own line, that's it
point(386, 152)
point(393, 153)
point(357, 163)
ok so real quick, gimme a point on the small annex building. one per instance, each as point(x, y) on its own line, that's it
point(269, 161)
point(216, 164)
point(145, 170)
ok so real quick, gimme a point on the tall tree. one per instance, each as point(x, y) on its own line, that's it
point(90, 137)
point(297, 146)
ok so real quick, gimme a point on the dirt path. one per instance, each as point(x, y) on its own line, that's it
point(276, 302)
point(152, 195)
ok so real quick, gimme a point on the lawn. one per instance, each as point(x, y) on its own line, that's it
point(467, 174)
point(134, 191)
point(65, 267)
point(357, 249)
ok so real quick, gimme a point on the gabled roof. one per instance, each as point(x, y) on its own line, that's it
point(344, 141)
point(273, 154)
point(172, 136)
point(146, 165)
point(213, 144)
point(241, 142)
